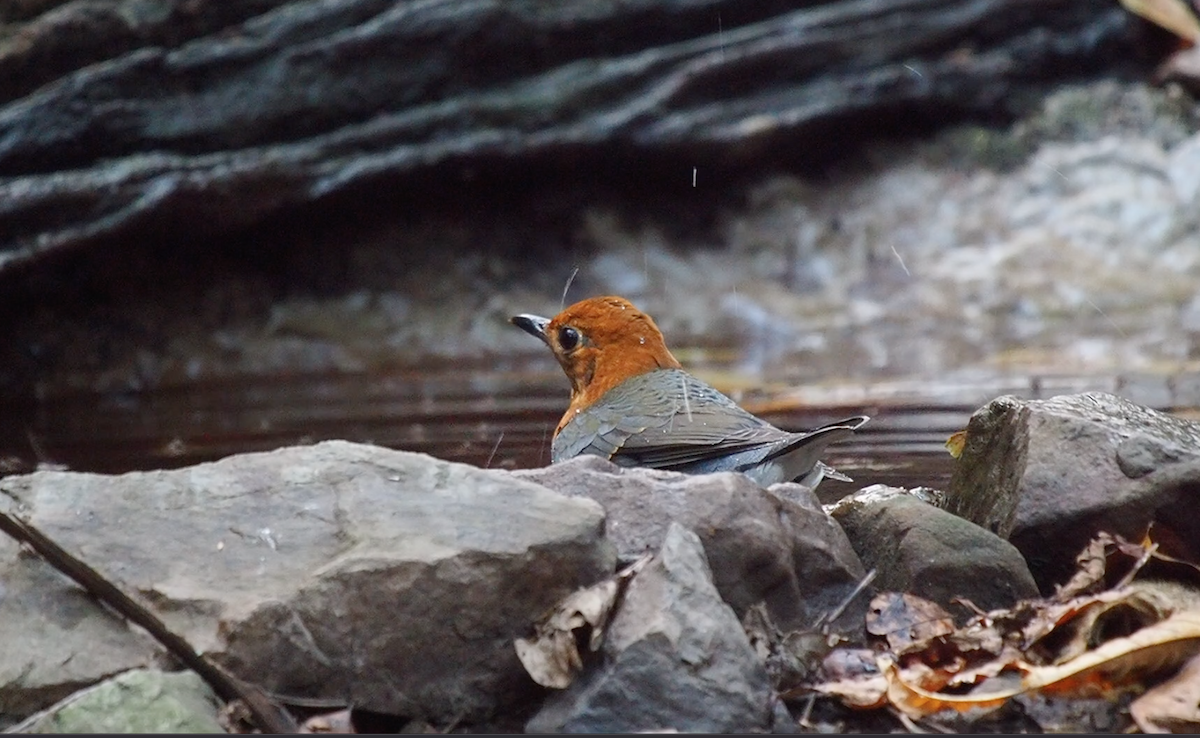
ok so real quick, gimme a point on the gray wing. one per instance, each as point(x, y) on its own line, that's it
point(667, 419)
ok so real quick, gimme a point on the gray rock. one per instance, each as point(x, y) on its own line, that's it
point(761, 546)
point(389, 579)
point(1049, 474)
point(984, 487)
point(1184, 171)
point(56, 640)
point(675, 657)
point(182, 112)
point(918, 548)
point(138, 701)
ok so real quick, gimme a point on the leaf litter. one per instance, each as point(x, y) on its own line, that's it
point(1107, 633)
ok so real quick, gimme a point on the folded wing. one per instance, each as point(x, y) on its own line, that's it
point(668, 419)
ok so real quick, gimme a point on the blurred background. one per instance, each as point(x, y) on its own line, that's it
point(228, 227)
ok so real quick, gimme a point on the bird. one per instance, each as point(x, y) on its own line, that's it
point(634, 404)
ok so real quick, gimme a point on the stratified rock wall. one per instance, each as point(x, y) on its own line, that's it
point(182, 119)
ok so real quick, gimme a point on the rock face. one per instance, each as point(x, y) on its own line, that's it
point(1048, 474)
point(192, 117)
point(915, 547)
point(761, 547)
point(138, 701)
point(675, 657)
point(388, 579)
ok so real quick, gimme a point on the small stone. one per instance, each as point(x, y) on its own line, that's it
point(917, 548)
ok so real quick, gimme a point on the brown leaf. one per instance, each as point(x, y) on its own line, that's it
point(904, 619)
point(1008, 659)
point(1063, 631)
point(1155, 648)
point(1090, 567)
point(917, 702)
point(552, 657)
point(1174, 705)
point(1104, 560)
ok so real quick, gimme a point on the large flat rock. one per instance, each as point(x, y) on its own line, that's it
point(392, 580)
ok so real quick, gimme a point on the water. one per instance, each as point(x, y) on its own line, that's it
point(470, 414)
point(501, 414)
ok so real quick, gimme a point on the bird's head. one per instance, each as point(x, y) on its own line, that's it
point(600, 342)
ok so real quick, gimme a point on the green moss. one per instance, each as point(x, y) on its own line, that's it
point(138, 701)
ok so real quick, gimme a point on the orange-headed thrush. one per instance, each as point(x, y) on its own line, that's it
point(632, 403)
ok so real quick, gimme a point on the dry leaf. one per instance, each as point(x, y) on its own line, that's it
point(849, 663)
point(1096, 673)
point(1008, 659)
point(1075, 644)
point(1155, 648)
point(905, 619)
point(1086, 621)
point(917, 702)
point(1090, 567)
point(760, 630)
point(1095, 563)
point(1174, 15)
point(861, 693)
point(1174, 705)
point(790, 658)
point(552, 657)
point(956, 443)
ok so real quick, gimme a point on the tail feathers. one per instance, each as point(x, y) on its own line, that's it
point(821, 437)
point(801, 457)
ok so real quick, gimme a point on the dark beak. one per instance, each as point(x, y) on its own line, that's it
point(534, 325)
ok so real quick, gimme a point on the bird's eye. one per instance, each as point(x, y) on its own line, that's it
point(568, 338)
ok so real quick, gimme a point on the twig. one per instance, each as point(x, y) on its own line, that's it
point(803, 722)
point(909, 724)
point(270, 717)
point(1147, 554)
point(836, 612)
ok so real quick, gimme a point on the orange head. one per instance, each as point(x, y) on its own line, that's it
point(600, 342)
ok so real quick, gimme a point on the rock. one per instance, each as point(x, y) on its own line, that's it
point(985, 484)
point(137, 701)
point(918, 548)
point(1049, 474)
point(392, 580)
point(1172, 492)
point(185, 112)
point(675, 658)
point(56, 640)
point(1184, 168)
point(760, 546)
